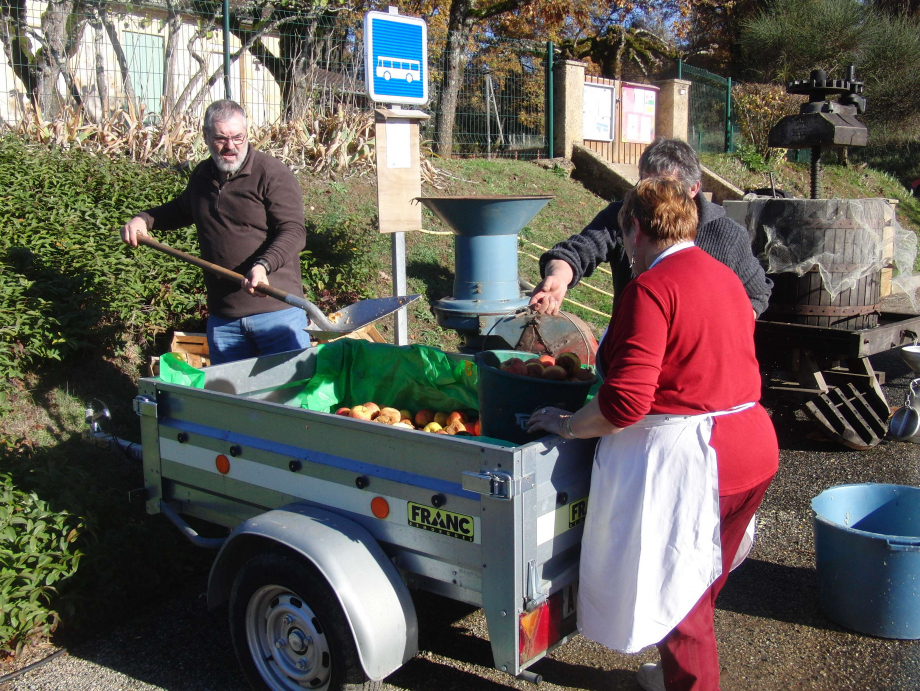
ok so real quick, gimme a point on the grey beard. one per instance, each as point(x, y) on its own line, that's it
point(225, 167)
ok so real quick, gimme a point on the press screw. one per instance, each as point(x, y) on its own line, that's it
point(295, 466)
point(302, 664)
point(182, 437)
point(280, 643)
point(361, 482)
point(236, 450)
point(288, 620)
point(504, 613)
point(504, 668)
point(562, 498)
point(438, 500)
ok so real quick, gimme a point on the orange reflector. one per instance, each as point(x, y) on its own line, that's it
point(223, 464)
point(542, 627)
point(379, 507)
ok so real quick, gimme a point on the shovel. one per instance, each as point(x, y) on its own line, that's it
point(346, 320)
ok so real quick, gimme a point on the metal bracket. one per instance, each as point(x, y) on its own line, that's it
point(535, 596)
point(138, 495)
point(496, 484)
point(145, 406)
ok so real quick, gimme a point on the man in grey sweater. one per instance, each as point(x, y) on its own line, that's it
point(563, 266)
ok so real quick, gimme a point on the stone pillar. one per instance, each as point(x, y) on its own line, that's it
point(568, 106)
point(672, 112)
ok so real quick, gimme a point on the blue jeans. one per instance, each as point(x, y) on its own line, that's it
point(257, 334)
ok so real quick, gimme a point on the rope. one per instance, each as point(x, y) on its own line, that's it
point(586, 285)
point(546, 249)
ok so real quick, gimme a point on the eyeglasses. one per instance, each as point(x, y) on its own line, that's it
point(237, 139)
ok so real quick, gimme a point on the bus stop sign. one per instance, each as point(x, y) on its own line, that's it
point(396, 63)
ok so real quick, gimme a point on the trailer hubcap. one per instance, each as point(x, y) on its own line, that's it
point(286, 641)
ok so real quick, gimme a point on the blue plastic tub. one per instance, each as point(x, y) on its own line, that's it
point(867, 549)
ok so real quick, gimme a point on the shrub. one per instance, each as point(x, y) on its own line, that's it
point(37, 552)
point(757, 107)
point(68, 283)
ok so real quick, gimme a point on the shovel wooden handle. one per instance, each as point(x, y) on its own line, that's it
point(271, 291)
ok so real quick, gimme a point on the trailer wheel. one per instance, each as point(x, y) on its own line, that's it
point(289, 631)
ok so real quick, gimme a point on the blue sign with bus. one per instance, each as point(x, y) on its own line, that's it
point(396, 50)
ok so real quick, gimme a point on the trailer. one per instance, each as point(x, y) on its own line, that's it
point(334, 521)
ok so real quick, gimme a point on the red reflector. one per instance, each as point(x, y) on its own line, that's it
point(223, 464)
point(540, 628)
point(379, 507)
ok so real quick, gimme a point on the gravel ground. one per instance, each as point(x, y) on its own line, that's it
point(771, 633)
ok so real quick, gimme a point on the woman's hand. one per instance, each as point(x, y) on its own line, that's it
point(548, 420)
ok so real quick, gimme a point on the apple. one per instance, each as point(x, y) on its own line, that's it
point(570, 362)
point(441, 418)
point(457, 415)
point(404, 423)
point(515, 366)
point(535, 369)
point(405, 415)
point(547, 360)
point(583, 374)
point(346, 412)
point(471, 427)
point(423, 417)
point(454, 427)
point(432, 427)
point(362, 412)
point(554, 373)
point(388, 416)
point(477, 428)
point(373, 407)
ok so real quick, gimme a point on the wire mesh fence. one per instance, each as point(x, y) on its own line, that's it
point(163, 59)
point(709, 94)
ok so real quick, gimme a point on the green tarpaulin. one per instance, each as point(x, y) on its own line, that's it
point(351, 372)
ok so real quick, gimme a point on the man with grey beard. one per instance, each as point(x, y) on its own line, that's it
point(248, 209)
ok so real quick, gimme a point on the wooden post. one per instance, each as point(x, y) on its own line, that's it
point(399, 182)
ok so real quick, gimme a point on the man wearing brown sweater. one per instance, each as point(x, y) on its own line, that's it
point(248, 209)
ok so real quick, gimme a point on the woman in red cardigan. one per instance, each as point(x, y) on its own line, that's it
point(685, 451)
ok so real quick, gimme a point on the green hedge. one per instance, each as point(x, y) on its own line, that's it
point(68, 283)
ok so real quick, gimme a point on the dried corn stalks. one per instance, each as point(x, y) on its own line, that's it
point(339, 144)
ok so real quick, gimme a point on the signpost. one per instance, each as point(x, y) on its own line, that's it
point(396, 73)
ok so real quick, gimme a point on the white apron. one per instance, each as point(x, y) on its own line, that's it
point(651, 544)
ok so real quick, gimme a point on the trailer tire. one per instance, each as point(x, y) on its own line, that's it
point(287, 627)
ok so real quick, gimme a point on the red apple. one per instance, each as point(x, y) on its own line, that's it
point(362, 412)
point(345, 412)
point(535, 369)
point(457, 415)
point(583, 374)
point(570, 362)
point(547, 360)
point(554, 373)
point(423, 417)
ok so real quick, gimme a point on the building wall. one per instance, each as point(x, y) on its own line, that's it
point(143, 36)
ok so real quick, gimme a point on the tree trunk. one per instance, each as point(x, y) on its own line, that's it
point(174, 26)
point(459, 27)
point(51, 57)
point(120, 57)
point(98, 114)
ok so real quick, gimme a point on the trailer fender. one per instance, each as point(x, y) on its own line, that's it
point(374, 598)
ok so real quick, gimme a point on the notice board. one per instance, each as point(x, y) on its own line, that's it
point(638, 108)
point(598, 111)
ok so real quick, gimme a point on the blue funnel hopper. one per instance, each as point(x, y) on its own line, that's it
point(485, 259)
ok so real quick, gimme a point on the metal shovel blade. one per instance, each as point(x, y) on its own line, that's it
point(359, 315)
point(346, 320)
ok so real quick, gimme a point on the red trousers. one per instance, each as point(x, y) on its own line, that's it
point(689, 656)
